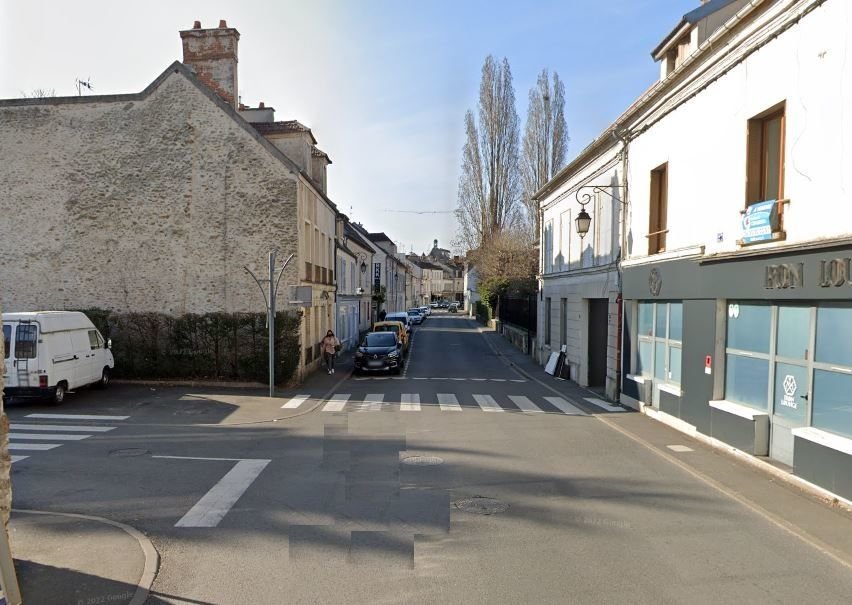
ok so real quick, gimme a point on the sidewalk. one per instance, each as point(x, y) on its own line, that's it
point(773, 493)
point(62, 559)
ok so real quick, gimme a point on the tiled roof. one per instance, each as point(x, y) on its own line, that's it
point(283, 127)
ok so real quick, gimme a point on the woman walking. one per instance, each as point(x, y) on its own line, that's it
point(330, 345)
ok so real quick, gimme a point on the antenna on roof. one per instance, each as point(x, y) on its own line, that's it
point(81, 84)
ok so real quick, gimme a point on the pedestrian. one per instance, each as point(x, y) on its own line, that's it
point(330, 347)
point(382, 315)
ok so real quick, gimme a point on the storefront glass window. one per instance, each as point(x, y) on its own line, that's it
point(747, 381)
point(749, 327)
point(660, 360)
point(674, 364)
point(834, 335)
point(661, 321)
point(646, 358)
point(832, 408)
point(646, 319)
point(660, 330)
point(791, 393)
point(676, 321)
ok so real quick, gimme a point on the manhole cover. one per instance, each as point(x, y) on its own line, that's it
point(481, 505)
point(129, 452)
point(423, 460)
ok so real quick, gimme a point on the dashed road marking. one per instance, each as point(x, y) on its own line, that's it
point(525, 404)
point(336, 403)
point(448, 402)
point(410, 402)
point(487, 403)
point(562, 405)
point(295, 402)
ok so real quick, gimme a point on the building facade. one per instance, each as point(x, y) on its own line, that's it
point(737, 280)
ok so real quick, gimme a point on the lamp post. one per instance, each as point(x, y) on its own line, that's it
point(584, 220)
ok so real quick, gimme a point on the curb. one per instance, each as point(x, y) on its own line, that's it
point(191, 383)
point(152, 558)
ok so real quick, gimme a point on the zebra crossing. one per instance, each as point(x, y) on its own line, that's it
point(34, 436)
point(445, 402)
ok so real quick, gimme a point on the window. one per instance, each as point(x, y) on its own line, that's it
point(563, 322)
point(832, 406)
point(93, 340)
point(765, 156)
point(7, 340)
point(547, 321)
point(548, 247)
point(26, 337)
point(657, 224)
point(747, 354)
point(660, 341)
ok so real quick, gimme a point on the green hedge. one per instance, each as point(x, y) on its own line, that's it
point(483, 312)
point(220, 346)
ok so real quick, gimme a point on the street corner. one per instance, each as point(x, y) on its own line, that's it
point(63, 558)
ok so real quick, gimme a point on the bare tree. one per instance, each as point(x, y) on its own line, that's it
point(489, 186)
point(545, 141)
point(39, 93)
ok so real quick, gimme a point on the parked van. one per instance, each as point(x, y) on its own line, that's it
point(48, 353)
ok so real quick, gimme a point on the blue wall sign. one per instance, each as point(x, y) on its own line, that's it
point(760, 221)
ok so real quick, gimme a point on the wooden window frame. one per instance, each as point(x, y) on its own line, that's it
point(658, 209)
point(756, 166)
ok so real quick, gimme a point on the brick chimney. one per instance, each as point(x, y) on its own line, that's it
point(212, 53)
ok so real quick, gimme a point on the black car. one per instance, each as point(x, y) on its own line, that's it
point(379, 351)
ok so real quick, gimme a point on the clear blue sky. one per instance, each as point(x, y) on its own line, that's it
point(383, 84)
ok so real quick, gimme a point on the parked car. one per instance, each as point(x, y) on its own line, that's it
point(434, 305)
point(416, 316)
point(427, 311)
point(454, 307)
point(379, 351)
point(404, 318)
point(397, 327)
point(48, 353)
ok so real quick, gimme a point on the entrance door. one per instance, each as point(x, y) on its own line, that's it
point(598, 328)
point(792, 384)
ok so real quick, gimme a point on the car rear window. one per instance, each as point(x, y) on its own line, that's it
point(393, 329)
point(7, 340)
point(378, 339)
point(26, 337)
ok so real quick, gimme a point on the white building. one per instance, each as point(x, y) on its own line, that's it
point(471, 288)
point(737, 269)
point(354, 257)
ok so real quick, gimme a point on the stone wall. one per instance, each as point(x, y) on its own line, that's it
point(5, 459)
point(150, 202)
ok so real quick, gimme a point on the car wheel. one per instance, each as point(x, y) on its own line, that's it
point(105, 378)
point(59, 394)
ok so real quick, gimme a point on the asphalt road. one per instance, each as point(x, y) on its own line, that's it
point(460, 481)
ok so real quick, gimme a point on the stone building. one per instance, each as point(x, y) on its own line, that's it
point(155, 201)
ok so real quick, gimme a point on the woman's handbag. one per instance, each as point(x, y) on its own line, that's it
point(337, 348)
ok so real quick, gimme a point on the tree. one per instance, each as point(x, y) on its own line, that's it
point(545, 141)
point(489, 186)
point(39, 93)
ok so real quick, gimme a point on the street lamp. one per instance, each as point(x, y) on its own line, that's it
point(584, 220)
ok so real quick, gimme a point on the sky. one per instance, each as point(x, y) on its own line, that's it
point(383, 84)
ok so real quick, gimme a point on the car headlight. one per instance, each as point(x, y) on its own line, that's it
point(393, 354)
point(359, 354)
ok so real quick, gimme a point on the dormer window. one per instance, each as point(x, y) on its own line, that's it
point(677, 54)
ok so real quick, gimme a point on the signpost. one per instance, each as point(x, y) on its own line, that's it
point(270, 309)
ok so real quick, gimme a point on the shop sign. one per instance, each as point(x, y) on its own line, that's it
point(790, 387)
point(784, 276)
point(759, 222)
point(837, 272)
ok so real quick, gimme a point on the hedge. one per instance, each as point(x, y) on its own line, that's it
point(220, 346)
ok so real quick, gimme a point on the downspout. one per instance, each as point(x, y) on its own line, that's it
point(624, 137)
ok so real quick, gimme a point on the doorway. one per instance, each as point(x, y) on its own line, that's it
point(598, 332)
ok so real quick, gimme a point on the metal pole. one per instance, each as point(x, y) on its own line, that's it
point(271, 322)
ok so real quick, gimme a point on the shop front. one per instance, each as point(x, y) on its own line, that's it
point(753, 349)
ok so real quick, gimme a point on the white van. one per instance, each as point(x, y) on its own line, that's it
point(48, 353)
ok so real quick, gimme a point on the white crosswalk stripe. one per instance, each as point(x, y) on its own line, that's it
point(24, 435)
point(372, 403)
point(603, 404)
point(564, 406)
point(295, 402)
point(410, 402)
point(487, 403)
point(60, 427)
point(524, 404)
point(49, 436)
point(448, 402)
point(336, 403)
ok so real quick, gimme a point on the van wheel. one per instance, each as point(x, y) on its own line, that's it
point(59, 394)
point(104, 381)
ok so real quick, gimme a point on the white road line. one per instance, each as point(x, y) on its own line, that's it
point(372, 403)
point(603, 404)
point(216, 503)
point(680, 448)
point(198, 458)
point(479, 379)
point(295, 402)
point(498, 380)
point(48, 436)
point(410, 402)
point(67, 428)
point(487, 403)
point(516, 380)
point(76, 417)
point(33, 446)
point(18, 458)
point(419, 378)
point(525, 404)
point(336, 403)
point(448, 402)
point(564, 406)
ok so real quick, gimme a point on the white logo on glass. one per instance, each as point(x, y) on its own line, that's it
point(790, 387)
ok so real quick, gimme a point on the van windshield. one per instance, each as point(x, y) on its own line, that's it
point(25, 341)
point(7, 340)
